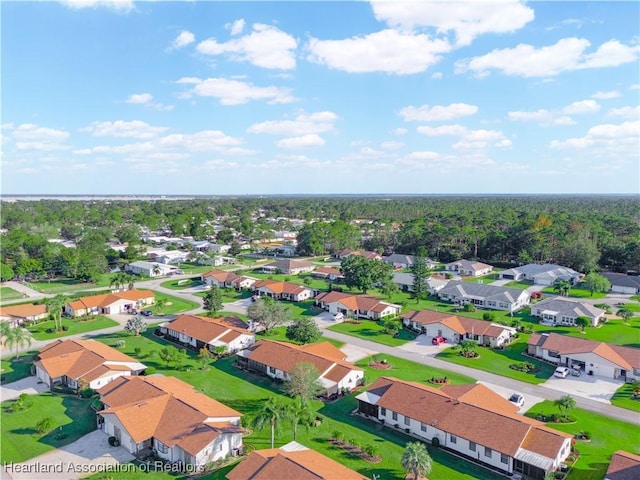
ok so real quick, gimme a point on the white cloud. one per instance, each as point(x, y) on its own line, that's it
point(266, 46)
point(437, 113)
point(388, 51)
point(635, 86)
point(606, 135)
point(437, 76)
point(122, 129)
point(568, 54)
point(544, 117)
point(479, 139)
point(32, 137)
point(237, 27)
point(183, 39)
point(124, 6)
point(391, 145)
point(466, 20)
point(606, 95)
point(317, 122)
point(234, 92)
point(304, 141)
point(584, 106)
point(399, 131)
point(625, 112)
point(146, 100)
point(456, 130)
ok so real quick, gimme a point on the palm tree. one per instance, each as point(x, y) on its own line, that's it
point(160, 304)
point(271, 413)
point(468, 348)
point(18, 337)
point(54, 307)
point(4, 331)
point(130, 279)
point(298, 413)
point(564, 404)
point(416, 460)
point(156, 269)
point(562, 287)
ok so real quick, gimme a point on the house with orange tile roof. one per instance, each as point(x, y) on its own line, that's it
point(171, 418)
point(328, 273)
point(282, 290)
point(292, 461)
point(277, 359)
point(470, 420)
point(226, 279)
point(18, 315)
point(362, 253)
point(115, 302)
point(75, 362)
point(623, 466)
point(288, 266)
point(357, 306)
point(595, 358)
point(203, 332)
point(457, 329)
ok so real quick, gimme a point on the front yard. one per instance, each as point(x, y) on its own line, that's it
point(181, 284)
point(577, 291)
point(13, 369)
point(607, 436)
point(174, 304)
point(74, 326)
point(8, 293)
point(62, 285)
point(372, 330)
point(623, 398)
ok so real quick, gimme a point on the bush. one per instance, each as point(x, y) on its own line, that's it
point(65, 328)
point(435, 441)
point(150, 371)
point(137, 351)
point(490, 316)
point(120, 344)
point(469, 307)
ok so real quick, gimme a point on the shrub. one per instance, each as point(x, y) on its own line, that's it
point(435, 441)
point(137, 351)
point(490, 316)
point(120, 344)
point(150, 371)
point(65, 328)
point(469, 307)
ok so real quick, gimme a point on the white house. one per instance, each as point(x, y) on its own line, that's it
point(404, 281)
point(226, 279)
point(468, 268)
point(151, 269)
point(563, 311)
point(282, 290)
point(541, 274)
point(198, 332)
point(20, 314)
point(621, 283)
point(109, 303)
point(357, 306)
point(400, 260)
point(485, 296)
point(288, 266)
point(171, 257)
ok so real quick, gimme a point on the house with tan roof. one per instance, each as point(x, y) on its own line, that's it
point(485, 296)
point(282, 290)
point(470, 420)
point(201, 332)
point(458, 329)
point(357, 306)
point(288, 266)
point(623, 466)
point(596, 358)
point(18, 315)
point(362, 253)
point(226, 279)
point(170, 418)
point(292, 461)
point(468, 268)
point(563, 311)
point(277, 359)
point(328, 273)
point(74, 363)
point(109, 303)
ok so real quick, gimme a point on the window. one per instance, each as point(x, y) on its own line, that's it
point(161, 447)
point(453, 439)
point(272, 370)
point(407, 420)
point(472, 446)
point(383, 411)
point(394, 415)
point(487, 452)
point(504, 458)
point(423, 427)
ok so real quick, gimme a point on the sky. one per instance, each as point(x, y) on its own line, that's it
point(215, 98)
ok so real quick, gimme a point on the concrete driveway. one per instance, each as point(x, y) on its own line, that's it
point(355, 353)
point(28, 385)
point(423, 346)
point(87, 455)
point(588, 386)
point(529, 399)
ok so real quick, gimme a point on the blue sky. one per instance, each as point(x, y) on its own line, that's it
point(119, 97)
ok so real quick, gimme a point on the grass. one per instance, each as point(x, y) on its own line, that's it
point(74, 325)
point(229, 294)
point(312, 282)
point(182, 283)
point(195, 268)
point(613, 331)
point(175, 304)
point(8, 293)
point(280, 334)
point(633, 306)
point(486, 279)
point(14, 369)
point(21, 441)
point(577, 292)
point(608, 435)
point(372, 330)
point(498, 361)
point(623, 398)
point(61, 285)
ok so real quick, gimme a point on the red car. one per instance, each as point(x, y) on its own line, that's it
point(438, 340)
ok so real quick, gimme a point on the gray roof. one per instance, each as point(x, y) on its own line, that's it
point(399, 258)
point(489, 292)
point(546, 269)
point(570, 308)
point(407, 279)
point(621, 280)
point(289, 264)
point(469, 264)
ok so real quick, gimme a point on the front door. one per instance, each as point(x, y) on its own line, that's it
point(116, 432)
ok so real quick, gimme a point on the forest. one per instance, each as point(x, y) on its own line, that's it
point(587, 233)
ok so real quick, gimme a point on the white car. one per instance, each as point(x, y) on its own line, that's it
point(561, 372)
point(517, 399)
point(338, 316)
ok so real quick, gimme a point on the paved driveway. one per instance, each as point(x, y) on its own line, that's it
point(89, 454)
point(423, 346)
point(529, 399)
point(588, 386)
point(355, 353)
point(28, 385)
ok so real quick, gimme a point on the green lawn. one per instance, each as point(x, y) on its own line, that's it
point(183, 283)
point(74, 325)
point(633, 306)
point(299, 279)
point(623, 398)
point(614, 331)
point(492, 277)
point(519, 285)
point(8, 293)
point(608, 435)
point(498, 361)
point(21, 441)
point(14, 369)
point(577, 292)
point(195, 268)
point(174, 304)
point(372, 330)
point(229, 294)
point(62, 285)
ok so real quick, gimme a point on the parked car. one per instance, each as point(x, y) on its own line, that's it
point(134, 311)
point(561, 372)
point(576, 371)
point(338, 316)
point(517, 399)
point(146, 313)
point(438, 340)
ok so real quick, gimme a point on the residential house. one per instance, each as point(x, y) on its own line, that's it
point(75, 362)
point(200, 332)
point(458, 329)
point(282, 290)
point(328, 273)
point(470, 420)
point(545, 274)
point(596, 358)
point(171, 418)
point(621, 283)
point(218, 248)
point(226, 279)
point(404, 281)
point(563, 311)
point(485, 296)
point(400, 260)
point(170, 257)
point(292, 461)
point(623, 466)
point(357, 306)
point(277, 360)
point(18, 315)
point(362, 253)
point(109, 303)
point(151, 269)
point(288, 266)
point(468, 268)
